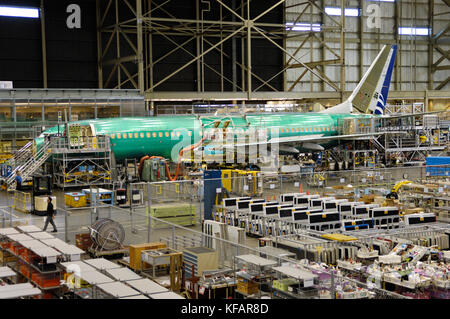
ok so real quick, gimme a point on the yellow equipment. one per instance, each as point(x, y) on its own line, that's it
point(399, 185)
point(393, 193)
point(226, 179)
point(339, 237)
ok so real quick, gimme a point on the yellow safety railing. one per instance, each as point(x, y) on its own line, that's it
point(21, 201)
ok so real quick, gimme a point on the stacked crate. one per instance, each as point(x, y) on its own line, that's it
point(135, 254)
point(199, 259)
point(83, 241)
point(6, 257)
point(180, 214)
point(248, 287)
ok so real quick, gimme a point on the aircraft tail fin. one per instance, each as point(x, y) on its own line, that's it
point(370, 95)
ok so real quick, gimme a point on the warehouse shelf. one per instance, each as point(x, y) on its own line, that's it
point(251, 273)
point(25, 248)
point(45, 272)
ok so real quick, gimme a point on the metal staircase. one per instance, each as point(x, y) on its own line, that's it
point(27, 163)
point(22, 155)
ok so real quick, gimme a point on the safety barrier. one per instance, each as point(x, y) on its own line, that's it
point(22, 201)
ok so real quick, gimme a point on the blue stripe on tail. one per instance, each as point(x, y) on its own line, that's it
point(382, 99)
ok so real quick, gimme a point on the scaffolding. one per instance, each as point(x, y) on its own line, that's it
point(88, 162)
point(421, 134)
point(405, 136)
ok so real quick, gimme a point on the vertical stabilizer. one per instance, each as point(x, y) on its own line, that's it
point(370, 95)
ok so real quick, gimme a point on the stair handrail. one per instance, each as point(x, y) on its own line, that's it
point(23, 152)
point(29, 162)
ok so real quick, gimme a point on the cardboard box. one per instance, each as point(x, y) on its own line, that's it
point(135, 253)
point(413, 211)
point(6, 257)
point(379, 200)
point(390, 202)
point(368, 199)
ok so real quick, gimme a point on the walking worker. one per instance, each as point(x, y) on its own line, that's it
point(50, 216)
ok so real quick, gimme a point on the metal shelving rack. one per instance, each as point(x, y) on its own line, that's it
point(26, 247)
point(257, 270)
point(304, 279)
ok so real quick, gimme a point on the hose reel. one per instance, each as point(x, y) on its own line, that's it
point(107, 234)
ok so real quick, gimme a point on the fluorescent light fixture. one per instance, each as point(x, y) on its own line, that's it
point(303, 27)
point(413, 31)
point(382, 0)
point(349, 12)
point(20, 12)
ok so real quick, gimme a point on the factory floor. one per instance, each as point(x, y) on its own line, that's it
point(73, 221)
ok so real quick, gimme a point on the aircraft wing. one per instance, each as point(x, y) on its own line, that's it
point(289, 143)
point(387, 116)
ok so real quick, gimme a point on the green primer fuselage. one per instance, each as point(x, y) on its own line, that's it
point(140, 136)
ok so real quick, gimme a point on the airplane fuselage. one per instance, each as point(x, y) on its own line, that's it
point(157, 136)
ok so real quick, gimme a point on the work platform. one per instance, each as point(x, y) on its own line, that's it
point(74, 163)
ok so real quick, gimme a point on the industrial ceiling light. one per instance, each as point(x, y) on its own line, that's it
point(349, 12)
point(20, 12)
point(303, 27)
point(413, 31)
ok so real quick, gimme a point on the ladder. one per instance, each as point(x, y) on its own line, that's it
point(27, 163)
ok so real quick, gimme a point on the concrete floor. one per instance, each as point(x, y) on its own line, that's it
point(72, 221)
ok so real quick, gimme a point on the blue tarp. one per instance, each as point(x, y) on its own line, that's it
point(443, 161)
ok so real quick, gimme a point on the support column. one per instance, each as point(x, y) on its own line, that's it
point(150, 51)
point(285, 47)
point(233, 50)
point(119, 78)
point(99, 45)
point(197, 39)
point(342, 51)
point(361, 40)
point(322, 14)
point(140, 45)
point(44, 46)
point(243, 52)
point(430, 45)
point(249, 51)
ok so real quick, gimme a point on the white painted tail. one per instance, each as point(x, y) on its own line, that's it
point(370, 95)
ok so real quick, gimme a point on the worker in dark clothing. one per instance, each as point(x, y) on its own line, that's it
point(50, 216)
point(18, 181)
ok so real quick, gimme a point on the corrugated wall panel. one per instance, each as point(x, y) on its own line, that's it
point(412, 56)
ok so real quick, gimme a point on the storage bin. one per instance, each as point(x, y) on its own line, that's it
point(75, 200)
point(46, 280)
point(25, 270)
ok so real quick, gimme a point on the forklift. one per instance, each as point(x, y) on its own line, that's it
point(41, 189)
